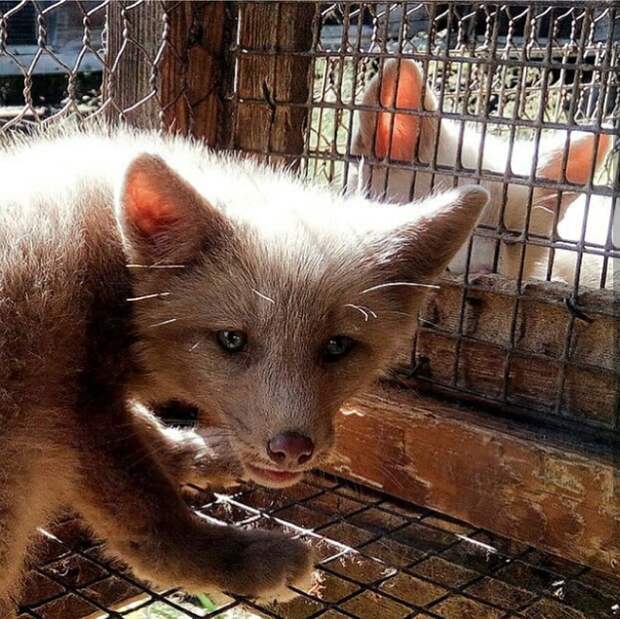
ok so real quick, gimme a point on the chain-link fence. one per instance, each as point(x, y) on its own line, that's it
point(394, 99)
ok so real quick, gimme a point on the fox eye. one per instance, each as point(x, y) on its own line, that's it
point(231, 341)
point(337, 347)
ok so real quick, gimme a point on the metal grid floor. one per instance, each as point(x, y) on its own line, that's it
point(377, 558)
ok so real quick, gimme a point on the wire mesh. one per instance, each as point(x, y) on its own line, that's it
point(507, 83)
point(51, 60)
point(529, 318)
point(517, 72)
point(502, 76)
point(377, 557)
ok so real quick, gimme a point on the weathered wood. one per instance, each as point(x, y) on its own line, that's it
point(192, 74)
point(587, 388)
point(541, 488)
point(269, 78)
point(130, 83)
point(164, 66)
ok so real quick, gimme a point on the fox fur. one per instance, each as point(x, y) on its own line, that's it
point(122, 255)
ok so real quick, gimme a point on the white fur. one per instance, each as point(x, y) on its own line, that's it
point(600, 219)
point(507, 206)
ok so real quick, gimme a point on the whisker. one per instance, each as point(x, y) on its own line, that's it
point(144, 297)
point(263, 296)
point(239, 421)
point(391, 284)
point(150, 452)
point(365, 311)
point(544, 208)
point(162, 323)
point(193, 348)
point(156, 266)
point(166, 447)
point(125, 436)
point(249, 447)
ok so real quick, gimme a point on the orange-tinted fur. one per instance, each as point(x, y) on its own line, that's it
point(407, 137)
point(117, 268)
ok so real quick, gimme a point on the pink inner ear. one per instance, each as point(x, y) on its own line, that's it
point(399, 136)
point(147, 208)
point(580, 158)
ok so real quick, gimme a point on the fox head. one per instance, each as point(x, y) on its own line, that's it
point(268, 304)
point(417, 134)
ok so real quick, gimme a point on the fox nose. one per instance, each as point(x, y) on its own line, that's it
point(290, 448)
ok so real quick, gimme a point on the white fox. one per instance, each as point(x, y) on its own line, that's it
point(405, 137)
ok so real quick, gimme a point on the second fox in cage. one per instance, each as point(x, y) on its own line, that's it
point(153, 269)
point(388, 140)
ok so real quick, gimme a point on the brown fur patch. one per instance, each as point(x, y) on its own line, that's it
point(94, 316)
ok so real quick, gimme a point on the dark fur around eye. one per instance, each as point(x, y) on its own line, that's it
point(337, 347)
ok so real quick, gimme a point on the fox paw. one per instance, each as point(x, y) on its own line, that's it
point(265, 564)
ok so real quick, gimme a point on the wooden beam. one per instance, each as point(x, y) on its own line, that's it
point(165, 65)
point(129, 84)
point(532, 351)
point(270, 78)
point(170, 64)
point(544, 488)
point(193, 74)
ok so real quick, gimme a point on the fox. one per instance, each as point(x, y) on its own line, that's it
point(405, 137)
point(598, 219)
point(137, 268)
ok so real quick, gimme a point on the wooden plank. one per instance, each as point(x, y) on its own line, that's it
point(542, 487)
point(262, 122)
point(165, 66)
point(546, 337)
point(129, 83)
point(193, 72)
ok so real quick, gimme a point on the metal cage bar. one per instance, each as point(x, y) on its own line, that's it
point(376, 555)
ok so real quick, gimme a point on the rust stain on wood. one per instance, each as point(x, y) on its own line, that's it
point(488, 472)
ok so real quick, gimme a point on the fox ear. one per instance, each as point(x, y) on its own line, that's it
point(423, 247)
point(162, 217)
point(398, 86)
point(583, 153)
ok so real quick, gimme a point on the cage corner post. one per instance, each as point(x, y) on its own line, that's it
point(269, 110)
point(165, 66)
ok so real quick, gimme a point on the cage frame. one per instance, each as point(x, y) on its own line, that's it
point(214, 80)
